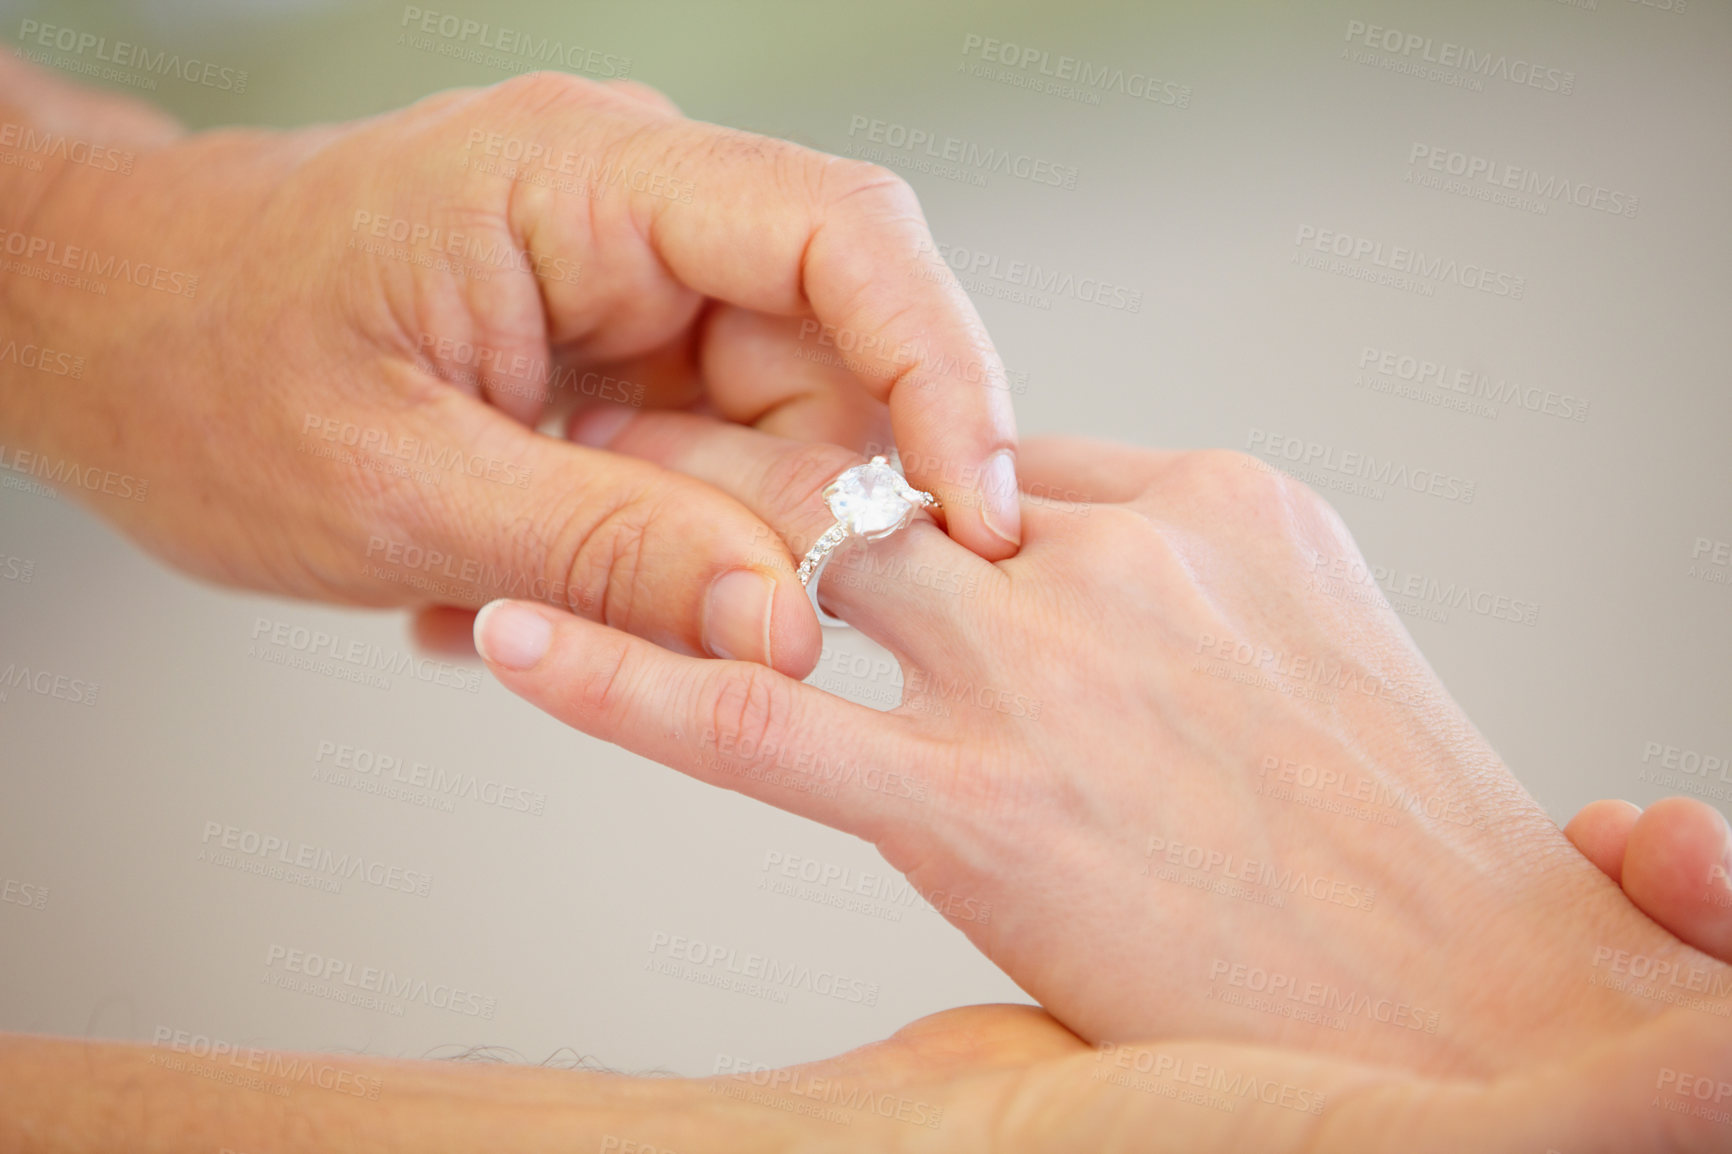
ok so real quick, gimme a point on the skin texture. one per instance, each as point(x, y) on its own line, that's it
point(328, 392)
point(208, 397)
point(1189, 583)
point(992, 1078)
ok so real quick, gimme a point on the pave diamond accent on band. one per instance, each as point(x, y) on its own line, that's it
point(871, 501)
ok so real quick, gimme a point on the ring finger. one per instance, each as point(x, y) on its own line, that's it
point(900, 590)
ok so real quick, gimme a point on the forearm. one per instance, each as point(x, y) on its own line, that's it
point(63, 1095)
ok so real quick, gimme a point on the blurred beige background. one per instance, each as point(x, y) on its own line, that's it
point(1589, 418)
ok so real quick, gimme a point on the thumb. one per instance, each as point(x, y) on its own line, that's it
point(513, 513)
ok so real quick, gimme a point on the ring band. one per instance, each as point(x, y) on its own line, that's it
point(870, 501)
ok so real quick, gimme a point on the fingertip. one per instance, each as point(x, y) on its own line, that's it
point(796, 640)
point(1001, 500)
point(1601, 832)
point(1676, 869)
point(512, 635)
point(597, 426)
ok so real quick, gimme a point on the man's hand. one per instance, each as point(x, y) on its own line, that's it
point(311, 360)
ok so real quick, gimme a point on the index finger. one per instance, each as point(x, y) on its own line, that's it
point(782, 229)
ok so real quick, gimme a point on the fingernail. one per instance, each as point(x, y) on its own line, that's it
point(599, 425)
point(737, 616)
point(1001, 505)
point(511, 634)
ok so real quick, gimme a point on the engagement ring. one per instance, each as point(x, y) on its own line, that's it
point(871, 501)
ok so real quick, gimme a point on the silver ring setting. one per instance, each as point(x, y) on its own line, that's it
point(871, 501)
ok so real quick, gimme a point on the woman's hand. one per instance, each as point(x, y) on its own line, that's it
point(310, 361)
point(1168, 767)
point(1005, 1079)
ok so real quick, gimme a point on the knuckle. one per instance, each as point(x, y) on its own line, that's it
point(749, 709)
point(1248, 480)
point(870, 189)
point(644, 94)
point(605, 569)
point(536, 92)
point(792, 484)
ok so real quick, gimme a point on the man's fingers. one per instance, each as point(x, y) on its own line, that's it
point(776, 228)
point(505, 511)
point(774, 374)
point(732, 724)
point(444, 631)
point(1676, 868)
point(886, 587)
point(1600, 831)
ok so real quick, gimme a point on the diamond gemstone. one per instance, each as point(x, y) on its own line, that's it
point(870, 499)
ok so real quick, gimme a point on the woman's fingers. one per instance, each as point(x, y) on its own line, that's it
point(1676, 867)
point(729, 723)
point(1601, 830)
point(1673, 861)
point(780, 376)
point(894, 589)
